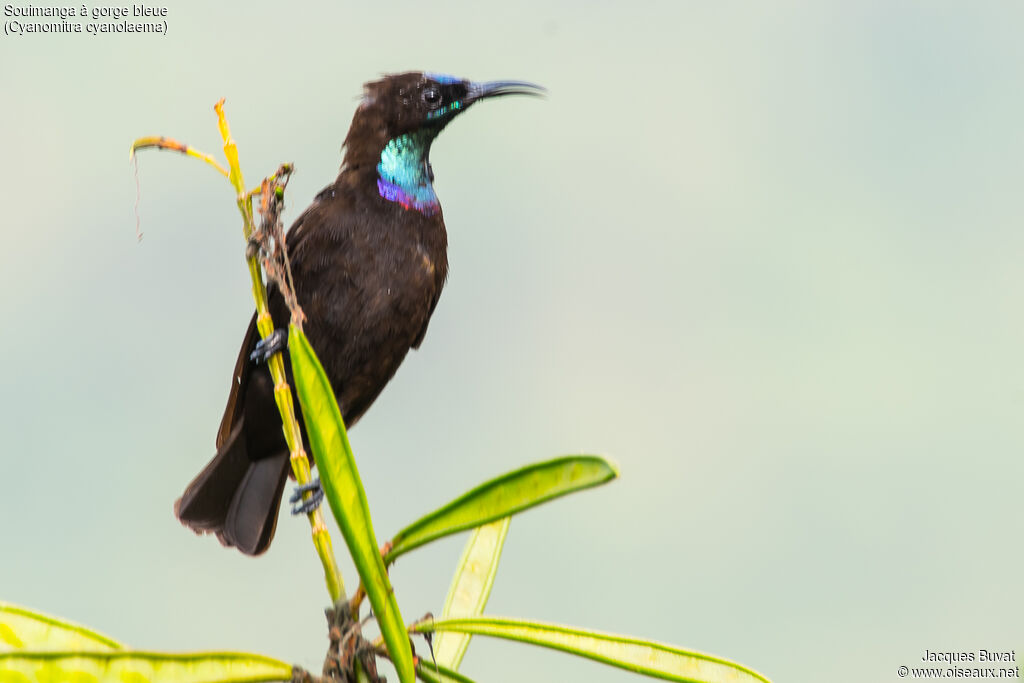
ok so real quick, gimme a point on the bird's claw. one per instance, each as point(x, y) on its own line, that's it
point(304, 507)
point(265, 348)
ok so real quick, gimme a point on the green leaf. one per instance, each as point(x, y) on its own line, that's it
point(435, 673)
point(471, 586)
point(633, 654)
point(344, 491)
point(21, 628)
point(503, 496)
point(121, 666)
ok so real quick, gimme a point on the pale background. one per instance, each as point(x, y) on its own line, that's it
point(765, 255)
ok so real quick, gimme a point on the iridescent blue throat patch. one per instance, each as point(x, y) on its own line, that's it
point(404, 173)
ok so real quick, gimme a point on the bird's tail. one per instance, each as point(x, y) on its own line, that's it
point(235, 497)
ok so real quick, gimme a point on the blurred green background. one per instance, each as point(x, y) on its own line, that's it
point(766, 255)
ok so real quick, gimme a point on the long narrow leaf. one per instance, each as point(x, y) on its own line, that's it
point(642, 656)
point(121, 666)
point(471, 586)
point(434, 673)
point(503, 496)
point(344, 491)
point(21, 628)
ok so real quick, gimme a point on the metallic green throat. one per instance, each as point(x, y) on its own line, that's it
point(404, 174)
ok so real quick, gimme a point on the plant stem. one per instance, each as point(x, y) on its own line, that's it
point(282, 392)
point(162, 142)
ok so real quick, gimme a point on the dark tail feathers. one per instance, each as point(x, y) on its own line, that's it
point(235, 497)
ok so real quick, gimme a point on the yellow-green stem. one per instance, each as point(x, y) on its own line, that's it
point(161, 142)
point(282, 392)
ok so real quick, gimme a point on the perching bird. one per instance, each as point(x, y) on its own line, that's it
point(368, 260)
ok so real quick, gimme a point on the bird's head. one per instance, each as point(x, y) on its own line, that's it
point(396, 122)
point(408, 102)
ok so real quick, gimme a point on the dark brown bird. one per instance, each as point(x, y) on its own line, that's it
point(369, 259)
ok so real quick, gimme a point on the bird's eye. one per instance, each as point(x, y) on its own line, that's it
point(432, 97)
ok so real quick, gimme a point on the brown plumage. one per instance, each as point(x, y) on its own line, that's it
point(368, 270)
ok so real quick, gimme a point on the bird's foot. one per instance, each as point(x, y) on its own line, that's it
point(276, 341)
point(304, 507)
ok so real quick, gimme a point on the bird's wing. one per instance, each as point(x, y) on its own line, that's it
point(239, 380)
point(240, 377)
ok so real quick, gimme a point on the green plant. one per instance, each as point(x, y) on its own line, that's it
point(34, 647)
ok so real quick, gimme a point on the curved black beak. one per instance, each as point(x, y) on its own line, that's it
point(479, 91)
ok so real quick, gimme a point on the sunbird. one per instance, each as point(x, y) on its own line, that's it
point(368, 260)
